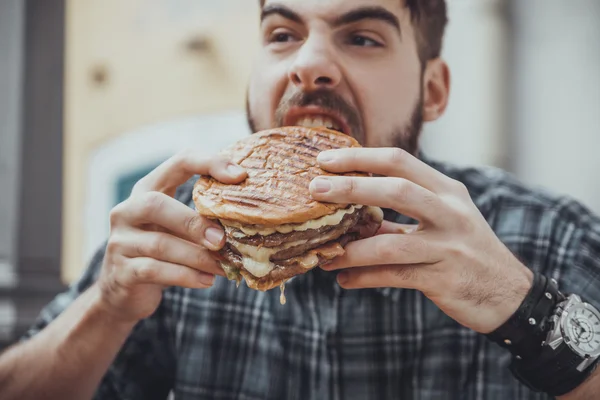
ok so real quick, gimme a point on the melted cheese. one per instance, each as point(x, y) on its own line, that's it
point(375, 212)
point(282, 298)
point(256, 260)
point(327, 220)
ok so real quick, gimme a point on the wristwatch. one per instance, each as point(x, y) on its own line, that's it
point(569, 353)
point(576, 325)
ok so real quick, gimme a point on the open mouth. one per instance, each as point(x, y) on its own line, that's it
point(317, 120)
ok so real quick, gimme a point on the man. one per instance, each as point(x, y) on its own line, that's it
point(416, 312)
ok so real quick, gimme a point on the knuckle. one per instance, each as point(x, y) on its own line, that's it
point(464, 221)
point(401, 191)
point(457, 252)
point(140, 249)
point(384, 251)
point(421, 247)
point(200, 259)
point(460, 188)
point(430, 199)
point(353, 156)
point(157, 247)
point(179, 160)
point(194, 225)
point(397, 155)
point(218, 161)
point(116, 214)
point(114, 245)
point(139, 186)
point(181, 157)
point(348, 186)
point(152, 203)
point(145, 272)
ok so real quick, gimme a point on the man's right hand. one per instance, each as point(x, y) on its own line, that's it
point(156, 242)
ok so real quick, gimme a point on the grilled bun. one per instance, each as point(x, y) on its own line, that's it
point(280, 164)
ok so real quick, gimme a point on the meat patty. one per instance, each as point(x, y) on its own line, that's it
point(277, 239)
point(363, 225)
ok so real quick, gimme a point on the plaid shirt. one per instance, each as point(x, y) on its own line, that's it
point(328, 343)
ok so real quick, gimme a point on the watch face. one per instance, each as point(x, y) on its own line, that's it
point(582, 328)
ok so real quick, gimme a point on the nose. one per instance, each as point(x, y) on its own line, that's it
point(314, 67)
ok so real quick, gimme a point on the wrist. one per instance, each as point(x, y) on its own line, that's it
point(101, 308)
point(516, 291)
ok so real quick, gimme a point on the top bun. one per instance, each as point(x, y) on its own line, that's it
point(280, 164)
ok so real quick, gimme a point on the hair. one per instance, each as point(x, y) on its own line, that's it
point(429, 18)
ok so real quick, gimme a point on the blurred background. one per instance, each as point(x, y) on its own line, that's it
point(95, 93)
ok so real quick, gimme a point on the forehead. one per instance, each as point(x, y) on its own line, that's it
point(330, 8)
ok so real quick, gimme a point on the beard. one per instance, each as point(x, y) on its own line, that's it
point(405, 136)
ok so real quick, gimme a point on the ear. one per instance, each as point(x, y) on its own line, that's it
point(436, 89)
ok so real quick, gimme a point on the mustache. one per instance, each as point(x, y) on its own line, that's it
point(323, 98)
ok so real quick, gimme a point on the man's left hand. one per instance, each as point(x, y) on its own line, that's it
point(452, 255)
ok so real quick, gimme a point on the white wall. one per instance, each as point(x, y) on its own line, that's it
point(557, 104)
point(476, 45)
point(525, 92)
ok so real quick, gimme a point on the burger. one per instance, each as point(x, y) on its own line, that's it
point(274, 229)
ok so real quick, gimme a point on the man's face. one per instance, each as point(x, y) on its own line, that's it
point(349, 64)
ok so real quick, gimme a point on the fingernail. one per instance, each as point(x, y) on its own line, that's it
point(214, 236)
point(325, 156)
point(207, 279)
point(235, 169)
point(342, 278)
point(320, 185)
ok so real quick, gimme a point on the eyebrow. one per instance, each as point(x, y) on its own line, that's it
point(363, 13)
point(353, 16)
point(277, 9)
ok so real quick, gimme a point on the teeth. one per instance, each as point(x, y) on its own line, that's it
point(318, 122)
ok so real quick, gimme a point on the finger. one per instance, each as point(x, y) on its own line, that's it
point(411, 276)
point(392, 227)
point(159, 209)
point(167, 248)
point(181, 167)
point(393, 162)
point(151, 271)
point(398, 194)
point(385, 249)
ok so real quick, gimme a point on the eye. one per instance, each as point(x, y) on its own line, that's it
point(363, 41)
point(281, 37)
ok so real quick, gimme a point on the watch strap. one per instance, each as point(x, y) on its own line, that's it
point(523, 333)
point(553, 371)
